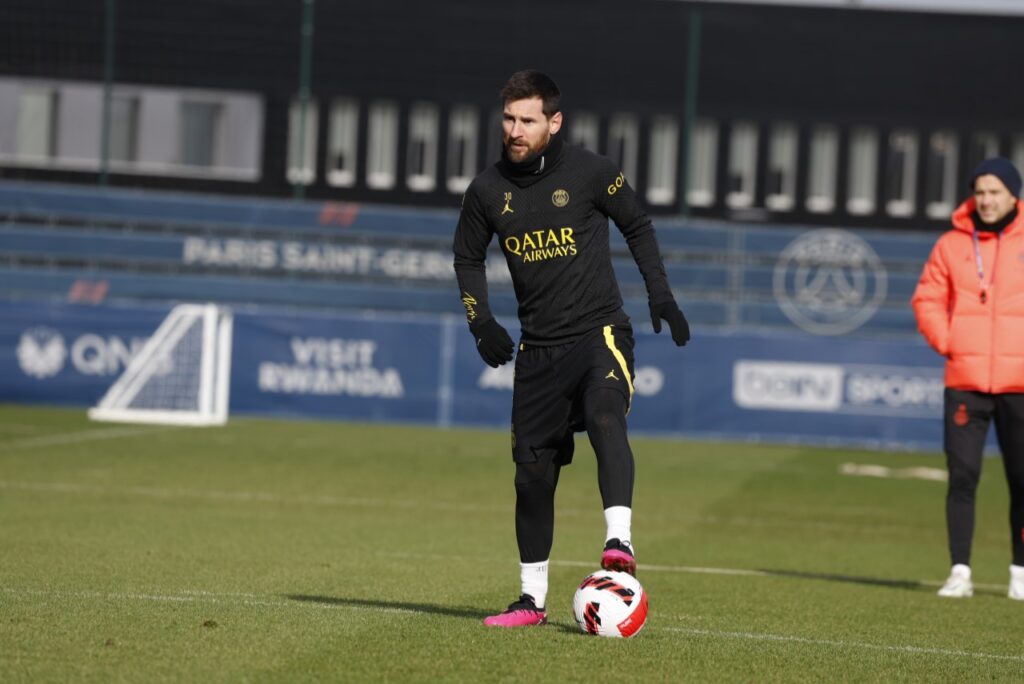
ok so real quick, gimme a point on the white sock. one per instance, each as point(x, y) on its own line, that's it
point(619, 519)
point(534, 577)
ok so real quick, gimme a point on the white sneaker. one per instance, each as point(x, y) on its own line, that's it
point(1016, 583)
point(959, 584)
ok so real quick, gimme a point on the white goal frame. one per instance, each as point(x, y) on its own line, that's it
point(214, 371)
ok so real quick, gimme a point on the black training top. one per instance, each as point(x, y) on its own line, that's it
point(551, 218)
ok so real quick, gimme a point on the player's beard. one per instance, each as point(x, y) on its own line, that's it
point(531, 153)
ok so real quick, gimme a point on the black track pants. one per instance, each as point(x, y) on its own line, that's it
point(604, 415)
point(585, 384)
point(966, 423)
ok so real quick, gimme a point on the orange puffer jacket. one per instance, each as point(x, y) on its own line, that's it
point(981, 338)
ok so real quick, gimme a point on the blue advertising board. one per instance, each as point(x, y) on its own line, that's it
point(744, 385)
point(68, 354)
point(336, 367)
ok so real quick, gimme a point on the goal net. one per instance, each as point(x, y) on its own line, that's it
point(180, 375)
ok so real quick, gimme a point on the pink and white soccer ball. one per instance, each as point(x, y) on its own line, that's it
point(610, 604)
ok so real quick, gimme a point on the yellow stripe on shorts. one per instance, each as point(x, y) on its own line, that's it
point(609, 340)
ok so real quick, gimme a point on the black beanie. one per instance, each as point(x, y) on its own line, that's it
point(1001, 168)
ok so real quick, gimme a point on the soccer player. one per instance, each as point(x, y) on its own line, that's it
point(548, 204)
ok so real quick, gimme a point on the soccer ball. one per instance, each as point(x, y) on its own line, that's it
point(610, 604)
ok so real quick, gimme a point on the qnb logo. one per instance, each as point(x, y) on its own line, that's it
point(41, 353)
point(829, 282)
point(93, 354)
point(775, 385)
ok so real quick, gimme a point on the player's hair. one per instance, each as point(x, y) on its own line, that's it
point(528, 83)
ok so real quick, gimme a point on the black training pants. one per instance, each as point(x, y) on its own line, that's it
point(967, 417)
point(584, 385)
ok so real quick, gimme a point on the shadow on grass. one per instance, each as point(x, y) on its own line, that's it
point(909, 585)
point(912, 585)
point(425, 608)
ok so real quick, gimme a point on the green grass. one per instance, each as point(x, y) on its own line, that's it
point(271, 551)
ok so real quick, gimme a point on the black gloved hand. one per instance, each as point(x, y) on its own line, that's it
point(676, 321)
point(493, 342)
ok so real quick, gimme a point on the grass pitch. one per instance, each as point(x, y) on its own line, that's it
point(271, 551)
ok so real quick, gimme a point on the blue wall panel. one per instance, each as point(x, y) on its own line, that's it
point(424, 369)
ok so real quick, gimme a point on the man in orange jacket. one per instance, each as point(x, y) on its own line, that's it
point(969, 305)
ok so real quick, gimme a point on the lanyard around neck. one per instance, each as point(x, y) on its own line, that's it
point(981, 267)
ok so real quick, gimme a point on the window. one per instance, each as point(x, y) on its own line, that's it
point(863, 174)
point(780, 193)
point(1017, 152)
point(382, 145)
point(302, 143)
point(199, 128)
point(703, 158)
point(124, 128)
point(495, 136)
point(901, 173)
point(342, 145)
point(984, 144)
point(940, 191)
point(742, 165)
point(584, 130)
point(421, 160)
point(37, 123)
point(177, 132)
point(823, 162)
point(661, 168)
point(623, 141)
point(462, 144)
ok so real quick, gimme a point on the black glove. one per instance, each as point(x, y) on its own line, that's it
point(493, 343)
point(676, 321)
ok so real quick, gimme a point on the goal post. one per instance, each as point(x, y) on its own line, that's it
point(180, 376)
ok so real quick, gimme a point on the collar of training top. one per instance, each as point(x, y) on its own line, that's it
point(529, 171)
point(996, 227)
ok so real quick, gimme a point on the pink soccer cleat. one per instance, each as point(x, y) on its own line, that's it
point(618, 556)
point(521, 613)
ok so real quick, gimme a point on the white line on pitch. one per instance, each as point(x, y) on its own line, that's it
point(257, 600)
point(189, 596)
point(242, 496)
point(782, 574)
point(84, 436)
point(757, 636)
point(677, 568)
point(328, 500)
point(389, 503)
point(689, 569)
